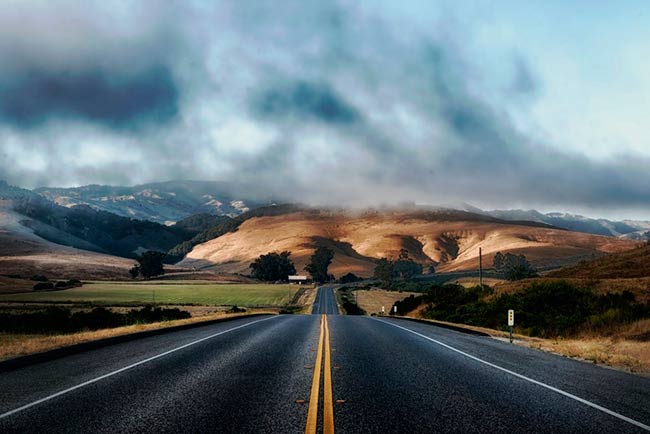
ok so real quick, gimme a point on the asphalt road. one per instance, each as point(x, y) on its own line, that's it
point(325, 302)
point(394, 376)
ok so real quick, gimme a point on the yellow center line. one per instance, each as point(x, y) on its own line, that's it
point(328, 406)
point(312, 415)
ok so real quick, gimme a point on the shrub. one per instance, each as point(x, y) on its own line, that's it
point(60, 320)
point(39, 278)
point(43, 286)
point(350, 278)
point(542, 309)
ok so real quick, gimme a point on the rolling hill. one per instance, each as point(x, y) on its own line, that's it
point(23, 253)
point(629, 264)
point(447, 239)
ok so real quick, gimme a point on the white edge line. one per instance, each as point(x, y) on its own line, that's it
point(133, 365)
point(523, 377)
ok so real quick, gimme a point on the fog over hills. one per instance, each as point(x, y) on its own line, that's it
point(171, 201)
point(215, 228)
point(161, 202)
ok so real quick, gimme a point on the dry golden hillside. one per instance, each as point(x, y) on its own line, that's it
point(450, 240)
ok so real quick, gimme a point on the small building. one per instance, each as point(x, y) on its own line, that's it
point(299, 279)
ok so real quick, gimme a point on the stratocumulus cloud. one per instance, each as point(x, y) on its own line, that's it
point(318, 101)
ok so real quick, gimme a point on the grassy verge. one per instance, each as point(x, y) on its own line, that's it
point(623, 351)
point(372, 300)
point(178, 293)
point(347, 300)
point(15, 345)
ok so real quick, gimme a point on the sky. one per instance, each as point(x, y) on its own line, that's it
point(507, 104)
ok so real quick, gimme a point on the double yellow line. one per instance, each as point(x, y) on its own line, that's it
point(328, 405)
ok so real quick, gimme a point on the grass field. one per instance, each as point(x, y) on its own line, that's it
point(176, 292)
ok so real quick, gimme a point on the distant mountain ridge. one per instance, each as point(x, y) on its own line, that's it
point(626, 229)
point(161, 202)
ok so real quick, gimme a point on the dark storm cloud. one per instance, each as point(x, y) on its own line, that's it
point(117, 99)
point(305, 101)
point(318, 101)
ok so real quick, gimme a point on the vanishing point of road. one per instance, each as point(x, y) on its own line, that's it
point(320, 373)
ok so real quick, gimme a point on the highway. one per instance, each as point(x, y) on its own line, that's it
point(325, 302)
point(320, 373)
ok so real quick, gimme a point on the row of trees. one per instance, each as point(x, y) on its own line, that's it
point(278, 266)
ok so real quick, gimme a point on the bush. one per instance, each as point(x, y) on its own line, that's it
point(236, 309)
point(43, 286)
point(60, 320)
point(39, 278)
point(348, 303)
point(350, 278)
point(544, 309)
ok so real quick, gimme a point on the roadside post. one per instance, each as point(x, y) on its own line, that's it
point(394, 310)
point(511, 321)
point(383, 311)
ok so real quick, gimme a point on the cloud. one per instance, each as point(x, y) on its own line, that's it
point(306, 101)
point(112, 98)
point(342, 106)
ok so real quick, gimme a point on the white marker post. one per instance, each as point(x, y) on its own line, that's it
point(382, 310)
point(511, 321)
point(395, 309)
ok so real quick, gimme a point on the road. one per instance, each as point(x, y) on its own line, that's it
point(325, 302)
point(382, 376)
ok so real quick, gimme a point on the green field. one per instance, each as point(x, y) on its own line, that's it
point(175, 292)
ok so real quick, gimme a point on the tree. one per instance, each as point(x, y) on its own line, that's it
point(405, 267)
point(150, 264)
point(513, 267)
point(350, 278)
point(432, 269)
point(134, 271)
point(384, 270)
point(273, 267)
point(319, 263)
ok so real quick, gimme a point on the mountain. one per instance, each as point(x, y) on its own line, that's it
point(87, 228)
point(628, 229)
point(161, 202)
point(447, 239)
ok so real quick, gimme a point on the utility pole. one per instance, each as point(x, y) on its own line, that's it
point(480, 267)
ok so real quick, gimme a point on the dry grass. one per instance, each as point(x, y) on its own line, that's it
point(14, 345)
point(372, 300)
point(625, 350)
point(469, 282)
point(307, 299)
point(629, 355)
point(10, 286)
point(622, 265)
